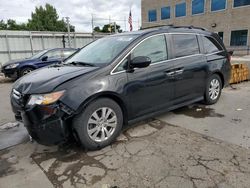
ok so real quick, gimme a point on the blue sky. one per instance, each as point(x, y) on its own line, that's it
point(79, 11)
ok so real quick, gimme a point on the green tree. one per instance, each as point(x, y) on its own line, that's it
point(106, 28)
point(97, 29)
point(12, 25)
point(47, 19)
point(3, 25)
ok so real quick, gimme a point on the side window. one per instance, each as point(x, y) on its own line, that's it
point(210, 45)
point(67, 53)
point(55, 54)
point(154, 48)
point(185, 44)
point(123, 66)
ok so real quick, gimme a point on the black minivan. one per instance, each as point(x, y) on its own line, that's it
point(119, 80)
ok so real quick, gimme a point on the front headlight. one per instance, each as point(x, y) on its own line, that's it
point(45, 99)
point(12, 66)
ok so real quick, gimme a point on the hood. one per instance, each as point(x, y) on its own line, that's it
point(18, 61)
point(47, 79)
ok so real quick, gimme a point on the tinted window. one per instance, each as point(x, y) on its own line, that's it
point(67, 53)
point(123, 66)
point(165, 13)
point(218, 5)
point(185, 45)
point(198, 6)
point(154, 48)
point(152, 15)
point(221, 35)
point(239, 3)
point(239, 38)
point(180, 10)
point(55, 54)
point(211, 45)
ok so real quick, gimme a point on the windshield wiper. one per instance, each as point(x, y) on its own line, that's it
point(80, 63)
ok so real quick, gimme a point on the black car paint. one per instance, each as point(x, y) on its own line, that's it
point(132, 90)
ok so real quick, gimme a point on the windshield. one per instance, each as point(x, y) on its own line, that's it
point(101, 52)
point(38, 55)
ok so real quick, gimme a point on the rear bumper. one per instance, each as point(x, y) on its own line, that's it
point(45, 124)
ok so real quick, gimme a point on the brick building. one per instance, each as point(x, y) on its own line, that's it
point(230, 18)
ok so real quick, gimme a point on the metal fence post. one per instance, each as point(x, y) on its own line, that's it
point(74, 40)
point(31, 43)
point(8, 46)
point(43, 43)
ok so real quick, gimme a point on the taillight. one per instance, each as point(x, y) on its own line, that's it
point(229, 58)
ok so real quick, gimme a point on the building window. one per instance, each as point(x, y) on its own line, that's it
point(221, 35)
point(185, 45)
point(239, 38)
point(198, 6)
point(240, 3)
point(180, 10)
point(218, 5)
point(165, 13)
point(152, 15)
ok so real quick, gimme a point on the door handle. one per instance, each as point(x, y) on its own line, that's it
point(170, 73)
point(179, 71)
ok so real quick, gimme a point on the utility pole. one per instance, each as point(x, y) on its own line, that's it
point(92, 23)
point(115, 27)
point(67, 21)
point(125, 23)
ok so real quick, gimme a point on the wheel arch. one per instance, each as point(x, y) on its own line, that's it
point(111, 95)
point(221, 77)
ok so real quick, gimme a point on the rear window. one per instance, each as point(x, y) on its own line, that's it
point(210, 45)
point(185, 45)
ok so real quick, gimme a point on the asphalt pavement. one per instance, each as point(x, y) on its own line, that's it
point(195, 146)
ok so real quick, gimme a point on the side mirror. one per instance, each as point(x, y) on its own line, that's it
point(44, 58)
point(140, 62)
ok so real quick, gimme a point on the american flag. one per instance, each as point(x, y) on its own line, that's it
point(130, 21)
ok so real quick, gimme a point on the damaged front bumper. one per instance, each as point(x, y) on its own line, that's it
point(45, 124)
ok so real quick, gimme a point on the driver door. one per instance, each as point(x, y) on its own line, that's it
point(151, 89)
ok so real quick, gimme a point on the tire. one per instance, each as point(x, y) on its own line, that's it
point(90, 129)
point(25, 71)
point(213, 89)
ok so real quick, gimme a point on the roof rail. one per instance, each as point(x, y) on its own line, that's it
point(175, 26)
point(191, 27)
point(158, 26)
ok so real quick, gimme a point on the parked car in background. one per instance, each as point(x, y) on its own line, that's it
point(119, 80)
point(18, 68)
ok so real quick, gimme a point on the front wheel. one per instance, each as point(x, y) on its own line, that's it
point(25, 71)
point(99, 124)
point(213, 89)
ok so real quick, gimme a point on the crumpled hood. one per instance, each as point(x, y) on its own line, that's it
point(47, 79)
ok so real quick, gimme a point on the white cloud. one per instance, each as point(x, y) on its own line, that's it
point(79, 11)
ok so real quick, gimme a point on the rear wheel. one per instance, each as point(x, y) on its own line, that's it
point(99, 124)
point(213, 89)
point(25, 71)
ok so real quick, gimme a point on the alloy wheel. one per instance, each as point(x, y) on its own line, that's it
point(102, 124)
point(214, 89)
